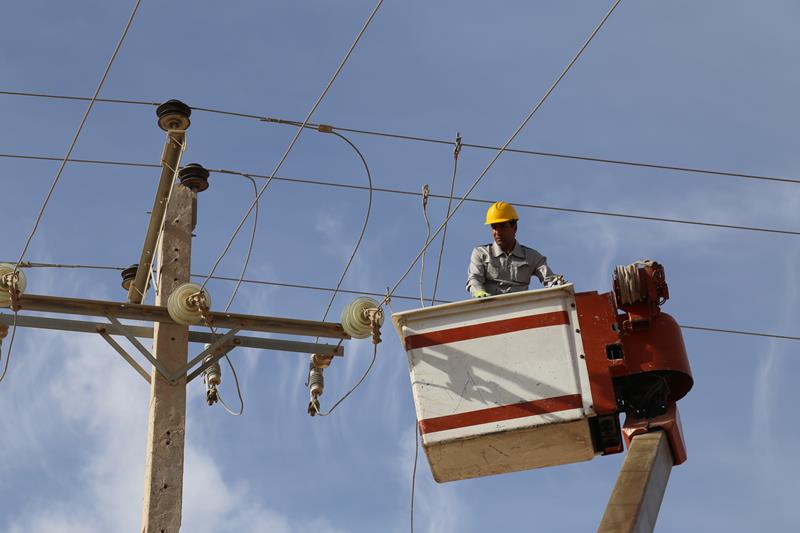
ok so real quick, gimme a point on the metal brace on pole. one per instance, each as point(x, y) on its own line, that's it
point(120, 350)
point(218, 343)
point(218, 354)
point(144, 351)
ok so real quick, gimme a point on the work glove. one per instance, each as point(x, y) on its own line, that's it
point(476, 293)
point(554, 281)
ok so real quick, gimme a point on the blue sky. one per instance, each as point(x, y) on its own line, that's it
point(704, 84)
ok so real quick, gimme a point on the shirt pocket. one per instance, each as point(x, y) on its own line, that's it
point(493, 269)
point(521, 272)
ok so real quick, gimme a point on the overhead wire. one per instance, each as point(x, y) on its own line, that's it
point(296, 136)
point(10, 347)
point(527, 119)
point(425, 193)
point(78, 131)
point(29, 264)
point(63, 164)
point(363, 225)
point(414, 472)
point(432, 140)
point(463, 199)
point(456, 152)
point(240, 411)
point(497, 156)
point(354, 387)
point(347, 268)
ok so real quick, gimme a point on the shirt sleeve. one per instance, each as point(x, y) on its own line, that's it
point(476, 273)
point(543, 271)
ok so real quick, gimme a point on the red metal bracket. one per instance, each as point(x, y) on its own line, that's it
point(669, 422)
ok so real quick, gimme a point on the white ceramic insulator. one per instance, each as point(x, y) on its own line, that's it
point(181, 307)
point(355, 321)
point(6, 269)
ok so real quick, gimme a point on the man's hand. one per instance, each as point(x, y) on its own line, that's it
point(479, 293)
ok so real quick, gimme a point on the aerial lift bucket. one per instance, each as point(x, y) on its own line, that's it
point(500, 384)
point(539, 378)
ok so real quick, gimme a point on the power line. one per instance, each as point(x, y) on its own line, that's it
point(61, 170)
point(29, 264)
point(240, 411)
point(507, 143)
point(86, 161)
point(297, 135)
point(433, 140)
point(456, 152)
point(425, 195)
point(740, 332)
point(439, 196)
point(363, 226)
point(78, 131)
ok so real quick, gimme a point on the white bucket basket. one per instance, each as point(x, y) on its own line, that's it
point(499, 383)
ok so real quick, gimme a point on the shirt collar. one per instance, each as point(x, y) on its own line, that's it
point(517, 251)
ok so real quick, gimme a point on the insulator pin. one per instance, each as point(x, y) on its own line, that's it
point(188, 303)
point(12, 284)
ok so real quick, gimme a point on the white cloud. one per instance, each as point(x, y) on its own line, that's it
point(105, 402)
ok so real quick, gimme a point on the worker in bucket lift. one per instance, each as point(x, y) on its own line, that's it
point(505, 265)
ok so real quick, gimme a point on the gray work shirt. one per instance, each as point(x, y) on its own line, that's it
point(497, 272)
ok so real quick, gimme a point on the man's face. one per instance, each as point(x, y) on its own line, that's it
point(504, 234)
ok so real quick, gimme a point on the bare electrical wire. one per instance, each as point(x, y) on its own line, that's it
point(347, 267)
point(78, 132)
point(740, 332)
point(354, 387)
point(425, 193)
point(418, 138)
point(28, 264)
point(456, 152)
point(10, 346)
point(64, 164)
point(363, 226)
point(527, 119)
point(240, 411)
point(474, 200)
point(297, 135)
point(414, 472)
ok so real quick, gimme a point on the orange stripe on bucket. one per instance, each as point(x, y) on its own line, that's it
point(486, 329)
point(504, 412)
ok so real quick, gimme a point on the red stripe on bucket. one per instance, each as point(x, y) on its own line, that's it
point(486, 329)
point(504, 412)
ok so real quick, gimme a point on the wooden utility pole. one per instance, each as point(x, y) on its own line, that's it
point(166, 428)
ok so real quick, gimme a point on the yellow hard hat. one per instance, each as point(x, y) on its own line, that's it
point(501, 212)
